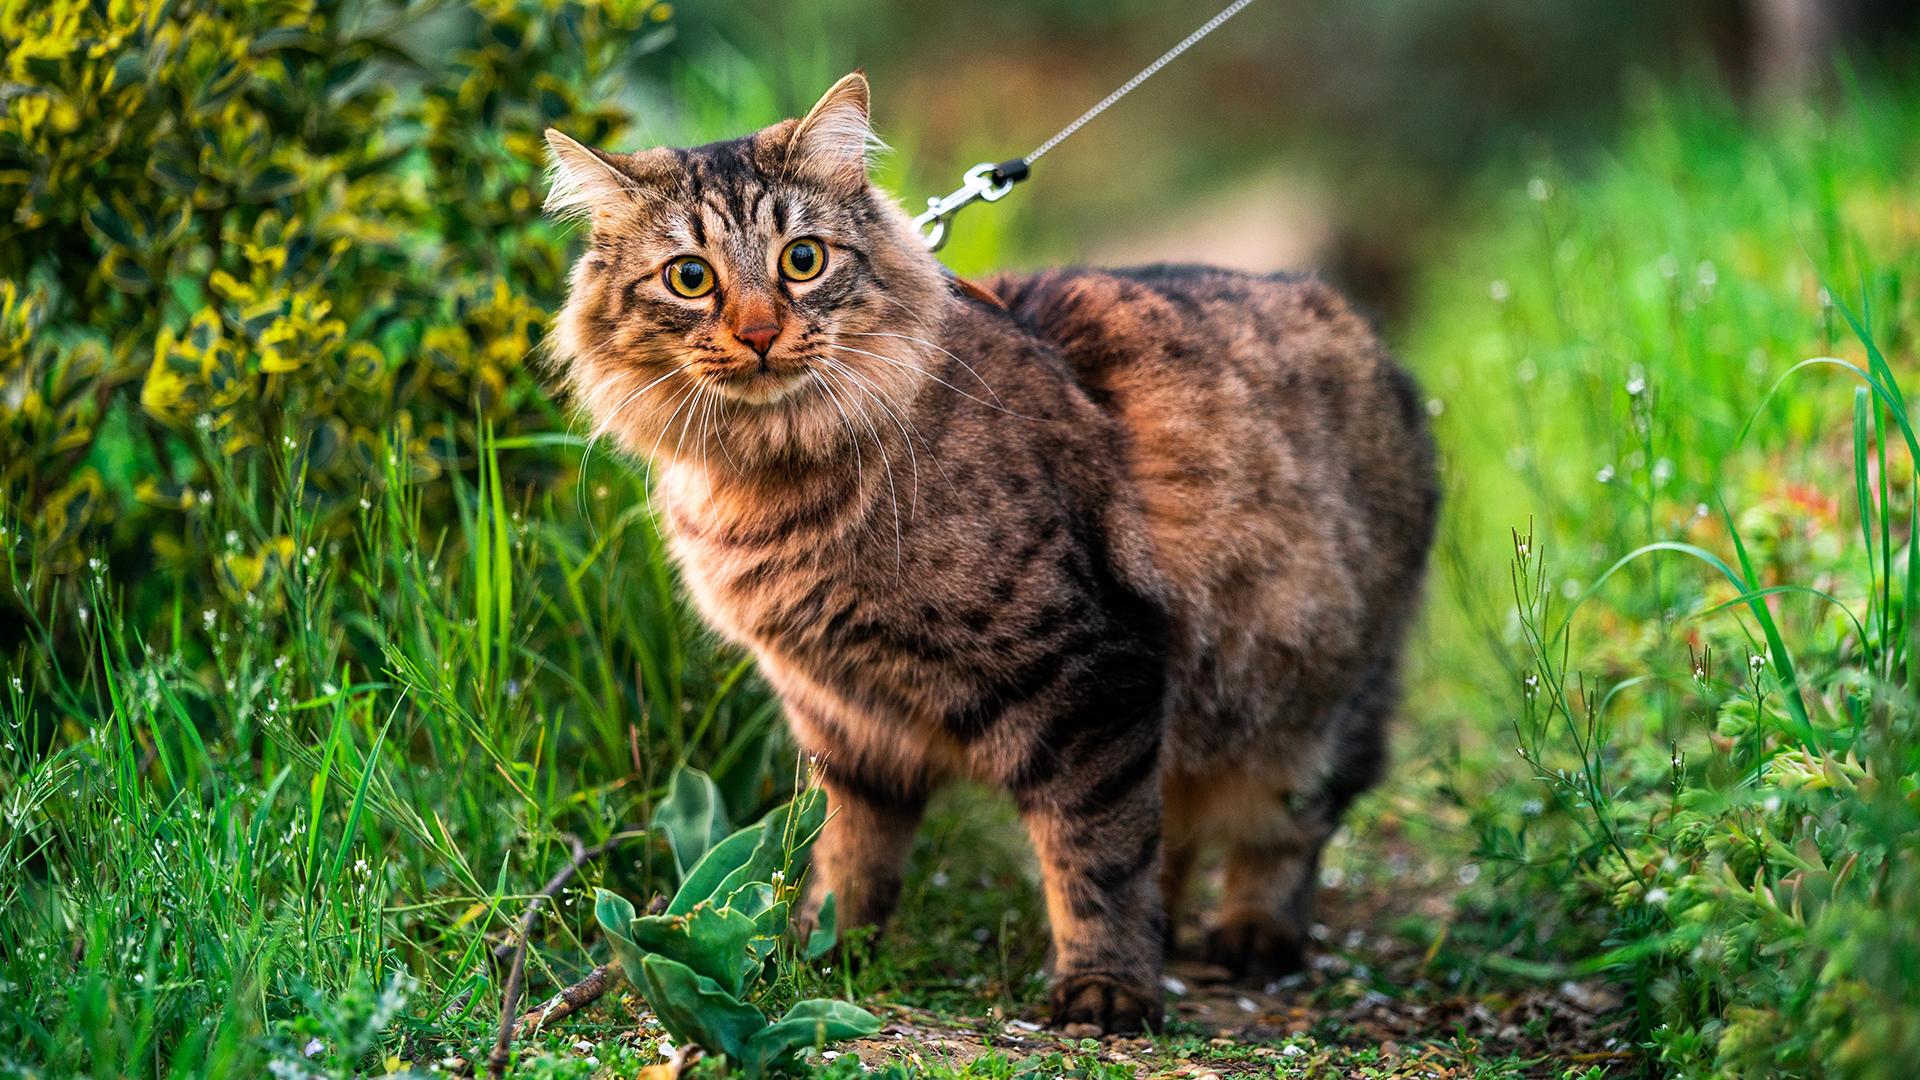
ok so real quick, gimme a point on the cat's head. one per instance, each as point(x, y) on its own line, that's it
point(754, 298)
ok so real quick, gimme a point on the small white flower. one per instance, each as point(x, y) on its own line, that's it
point(1538, 189)
point(1499, 290)
point(1656, 896)
point(314, 1048)
point(1757, 661)
point(16, 684)
point(1605, 475)
point(365, 504)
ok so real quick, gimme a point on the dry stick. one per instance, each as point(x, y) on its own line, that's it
point(497, 1060)
point(568, 1001)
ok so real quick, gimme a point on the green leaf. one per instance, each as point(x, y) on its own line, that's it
point(695, 1010)
point(713, 868)
point(761, 862)
point(712, 941)
point(615, 916)
point(809, 1023)
point(826, 930)
point(692, 816)
point(786, 835)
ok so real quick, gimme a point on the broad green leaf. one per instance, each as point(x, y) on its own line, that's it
point(692, 817)
point(810, 1023)
point(761, 862)
point(615, 916)
point(713, 868)
point(709, 940)
point(695, 1010)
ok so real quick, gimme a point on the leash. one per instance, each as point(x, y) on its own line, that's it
point(987, 182)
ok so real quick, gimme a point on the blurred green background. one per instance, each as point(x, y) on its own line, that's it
point(325, 632)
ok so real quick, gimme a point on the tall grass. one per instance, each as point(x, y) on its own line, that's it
point(1672, 400)
point(328, 790)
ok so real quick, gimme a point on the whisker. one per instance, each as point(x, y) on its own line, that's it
point(693, 388)
point(893, 494)
point(913, 367)
point(867, 387)
point(931, 345)
point(859, 470)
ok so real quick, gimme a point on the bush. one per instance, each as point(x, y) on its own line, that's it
point(254, 241)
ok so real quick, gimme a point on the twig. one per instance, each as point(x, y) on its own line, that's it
point(568, 1001)
point(510, 999)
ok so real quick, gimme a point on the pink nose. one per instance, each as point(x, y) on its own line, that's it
point(759, 337)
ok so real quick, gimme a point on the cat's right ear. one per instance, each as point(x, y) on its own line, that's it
point(582, 181)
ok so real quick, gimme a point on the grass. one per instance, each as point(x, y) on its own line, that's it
point(284, 825)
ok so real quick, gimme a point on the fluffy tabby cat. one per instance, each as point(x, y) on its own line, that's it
point(1139, 546)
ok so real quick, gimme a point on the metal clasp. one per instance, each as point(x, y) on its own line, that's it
point(980, 186)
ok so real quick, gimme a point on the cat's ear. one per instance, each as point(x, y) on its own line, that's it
point(582, 181)
point(835, 138)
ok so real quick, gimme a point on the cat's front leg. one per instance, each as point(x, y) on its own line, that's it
point(862, 850)
point(1096, 830)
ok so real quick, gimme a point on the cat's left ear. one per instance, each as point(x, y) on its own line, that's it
point(835, 138)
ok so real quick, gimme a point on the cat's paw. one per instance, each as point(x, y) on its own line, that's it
point(1091, 1005)
point(1257, 945)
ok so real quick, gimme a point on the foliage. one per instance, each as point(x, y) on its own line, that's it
point(231, 241)
point(701, 959)
point(1710, 647)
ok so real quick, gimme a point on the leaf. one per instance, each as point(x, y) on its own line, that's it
point(712, 941)
point(713, 868)
point(695, 1010)
point(615, 916)
point(826, 930)
point(692, 816)
point(761, 862)
point(809, 1023)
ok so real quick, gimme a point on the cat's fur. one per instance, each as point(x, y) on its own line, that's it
point(1139, 547)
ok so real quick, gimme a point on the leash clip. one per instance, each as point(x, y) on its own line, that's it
point(985, 182)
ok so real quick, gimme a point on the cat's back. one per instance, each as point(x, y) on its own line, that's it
point(1281, 456)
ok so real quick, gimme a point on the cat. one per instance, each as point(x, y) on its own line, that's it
point(1140, 547)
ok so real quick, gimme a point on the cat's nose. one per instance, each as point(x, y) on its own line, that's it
point(759, 337)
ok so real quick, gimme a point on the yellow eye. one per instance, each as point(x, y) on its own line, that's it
point(689, 277)
point(804, 259)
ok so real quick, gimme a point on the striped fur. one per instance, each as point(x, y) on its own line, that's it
point(1139, 548)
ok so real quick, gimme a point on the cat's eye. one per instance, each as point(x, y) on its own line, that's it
point(689, 277)
point(803, 259)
